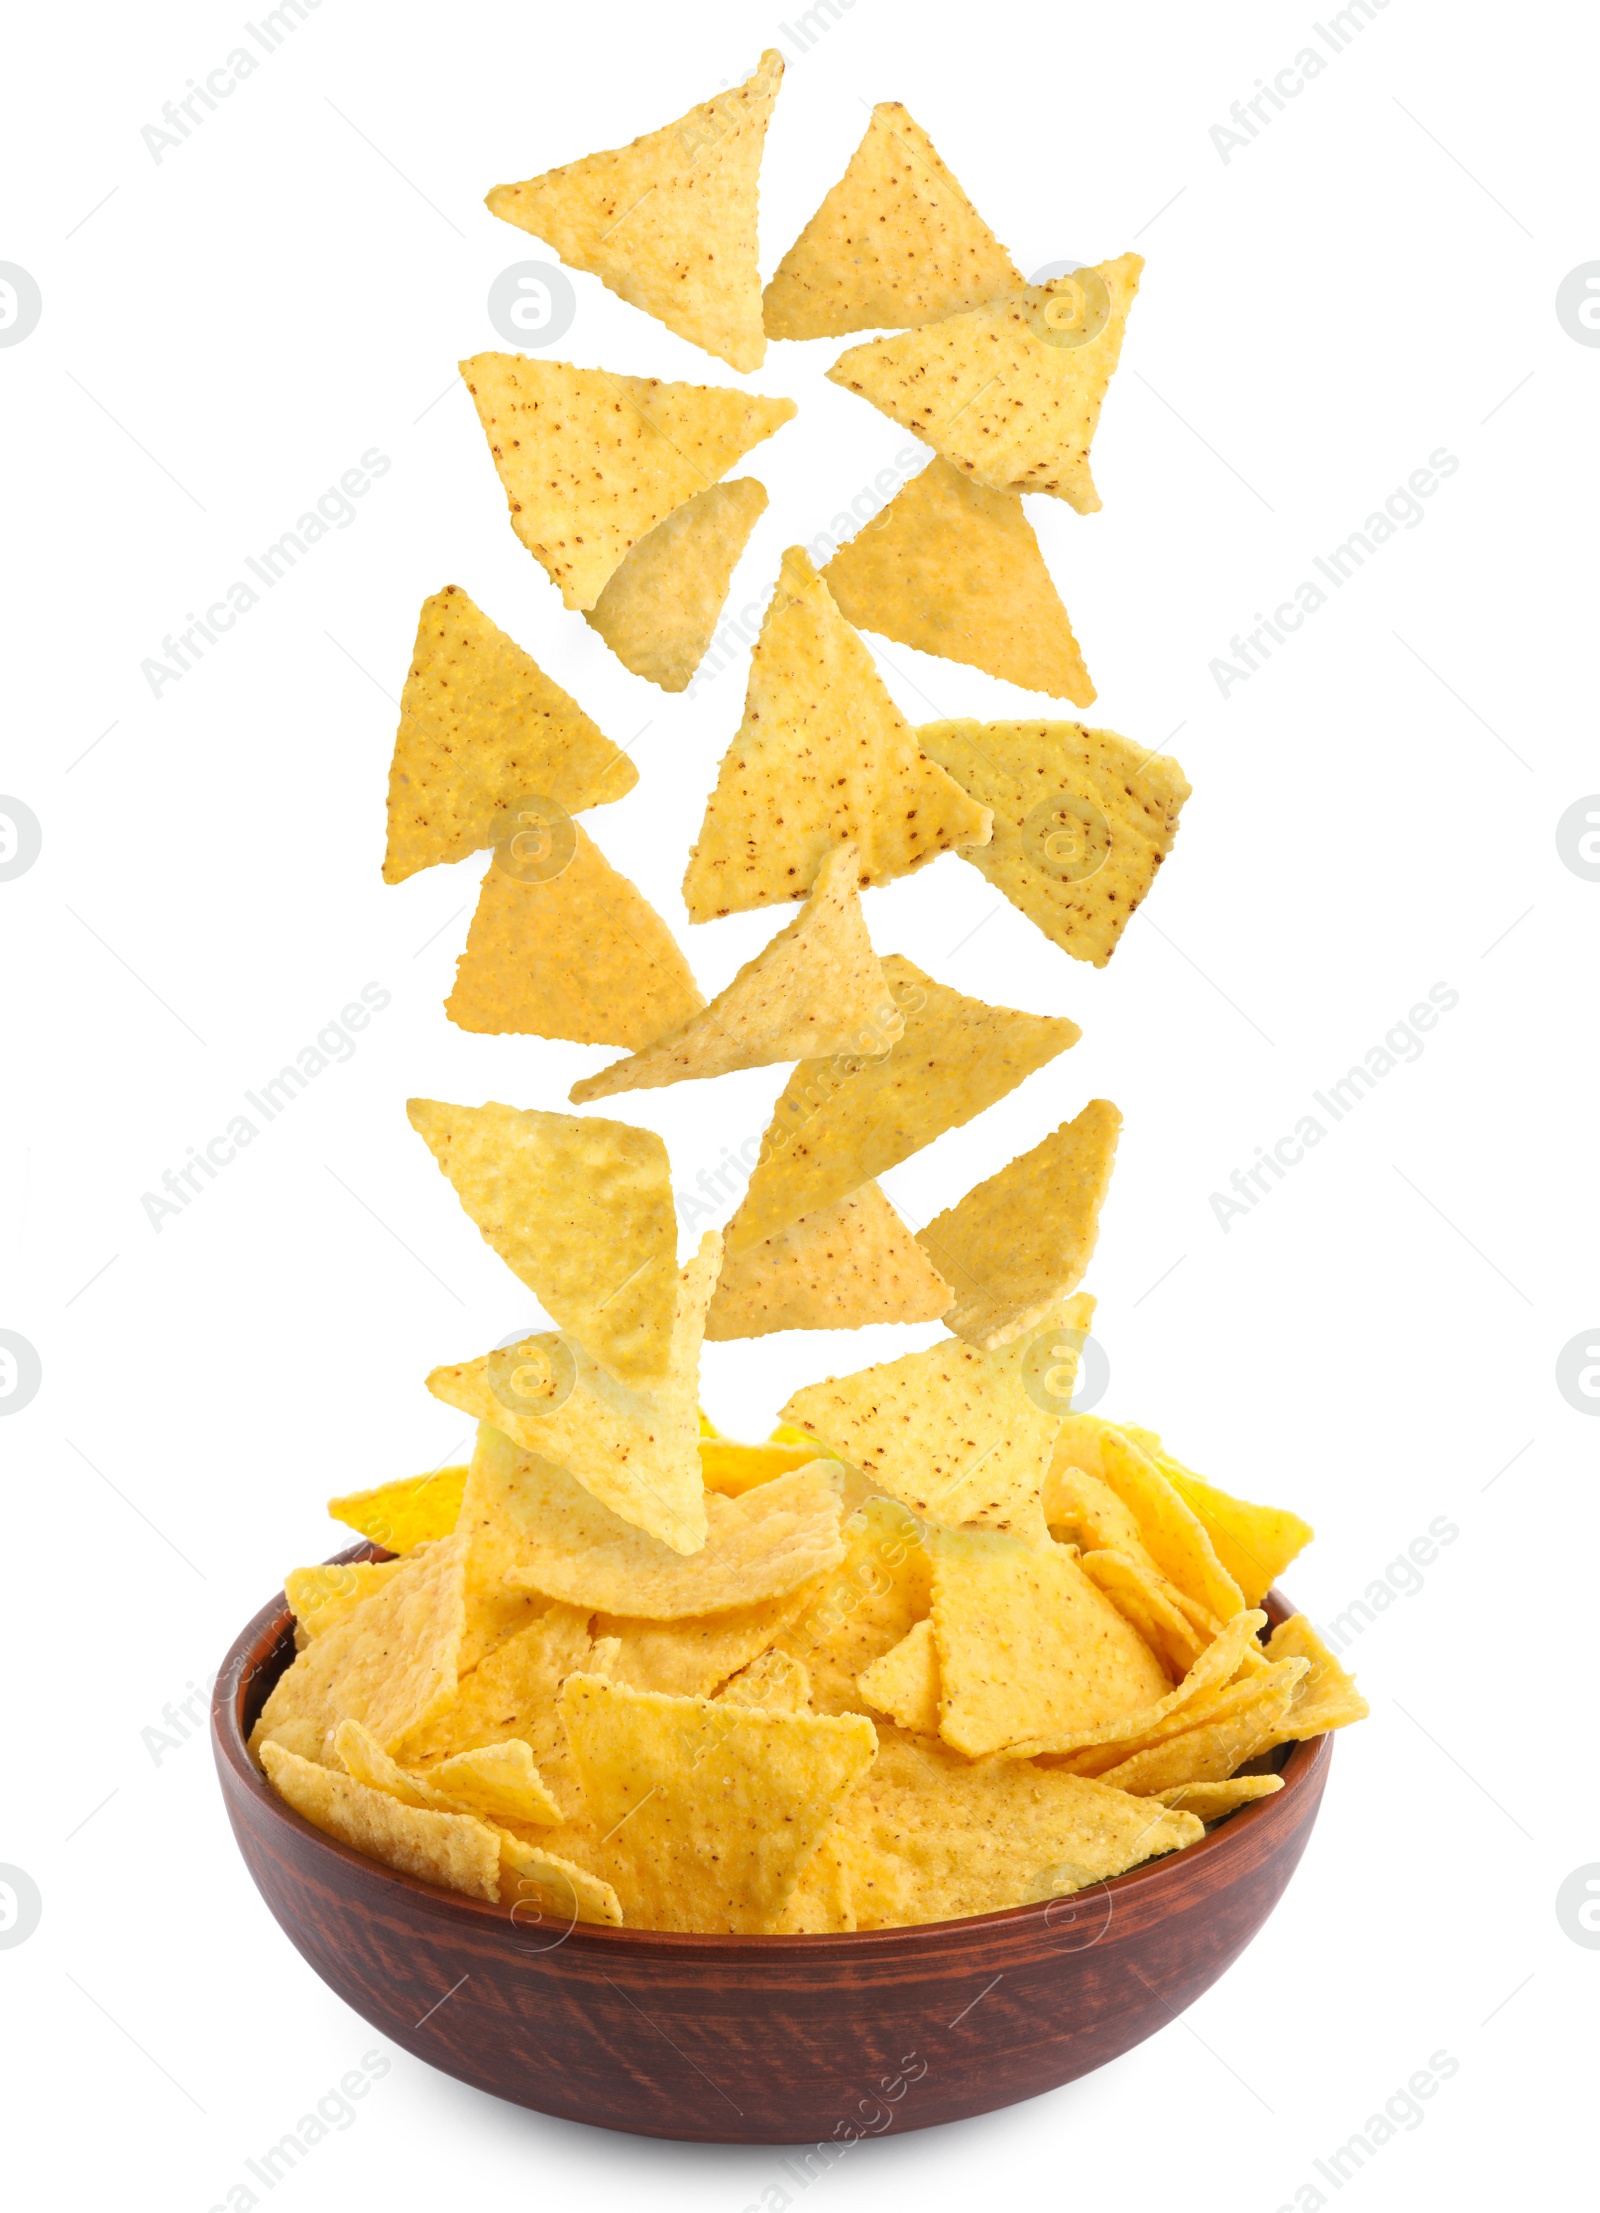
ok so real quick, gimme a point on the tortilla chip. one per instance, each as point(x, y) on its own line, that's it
point(1010, 393)
point(401, 1515)
point(390, 1664)
point(1215, 1668)
point(481, 728)
point(453, 1850)
point(1254, 1543)
point(662, 603)
point(849, 1264)
point(668, 222)
point(537, 1879)
point(512, 1692)
point(1210, 1752)
point(895, 244)
point(955, 569)
point(590, 461)
point(904, 1683)
point(815, 989)
point(320, 1596)
point(822, 1900)
point(551, 1535)
point(1144, 1597)
point(1082, 821)
point(840, 1122)
point(1219, 1702)
point(1082, 1510)
point(1328, 1698)
point(1210, 1801)
point(941, 1837)
point(580, 955)
point(708, 1810)
point(1173, 1534)
point(580, 1210)
point(732, 1468)
point(638, 1449)
point(958, 1435)
point(1019, 1242)
point(692, 1657)
point(877, 1592)
point(823, 757)
point(497, 1782)
point(774, 1681)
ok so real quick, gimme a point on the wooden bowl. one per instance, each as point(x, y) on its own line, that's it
point(812, 2040)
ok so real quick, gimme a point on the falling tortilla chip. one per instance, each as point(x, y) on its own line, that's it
point(840, 1122)
point(814, 990)
point(823, 757)
point(691, 1657)
point(895, 244)
point(539, 1529)
point(709, 1808)
point(581, 954)
point(904, 1683)
point(874, 1596)
point(401, 1515)
point(454, 1850)
point(1082, 821)
point(661, 605)
point(962, 1437)
point(1210, 1801)
point(668, 223)
point(592, 461)
point(1254, 1543)
point(1017, 1244)
point(1009, 393)
point(482, 728)
point(580, 1210)
point(955, 569)
point(320, 1596)
point(1172, 1533)
point(1327, 1698)
point(637, 1448)
point(846, 1266)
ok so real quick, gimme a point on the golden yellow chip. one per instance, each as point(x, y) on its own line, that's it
point(413, 1510)
point(546, 1532)
point(708, 1809)
point(1173, 1533)
point(1028, 1646)
point(960, 1436)
point(662, 603)
point(482, 728)
point(1209, 1752)
point(551, 1890)
point(636, 1448)
point(498, 1782)
point(775, 1681)
point(815, 989)
point(1254, 1543)
point(691, 1657)
point(839, 1123)
point(390, 1664)
point(1328, 1698)
point(1017, 1244)
point(849, 1264)
point(1216, 1703)
point(1082, 1510)
point(731, 1468)
point(1010, 392)
point(896, 243)
point(823, 758)
point(822, 1901)
point(904, 1684)
point(668, 223)
point(590, 461)
point(876, 1593)
point(1210, 1801)
point(955, 569)
point(580, 954)
point(320, 1596)
point(931, 1836)
point(512, 1692)
point(1144, 1597)
point(453, 1850)
point(580, 1210)
point(1216, 1667)
point(1082, 821)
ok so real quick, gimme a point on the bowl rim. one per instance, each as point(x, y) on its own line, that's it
point(258, 1642)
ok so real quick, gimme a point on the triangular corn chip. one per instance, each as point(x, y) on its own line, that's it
point(1028, 1646)
point(962, 1437)
point(814, 990)
point(538, 1879)
point(580, 1210)
point(1210, 1801)
point(847, 1265)
point(874, 1597)
point(1143, 1596)
point(1082, 821)
point(660, 606)
point(581, 955)
point(544, 1532)
point(1186, 1701)
point(840, 1122)
point(1172, 1533)
point(895, 244)
point(709, 1809)
point(955, 569)
point(497, 1782)
point(320, 1596)
point(1010, 393)
point(390, 1664)
point(413, 1510)
point(904, 1684)
point(1084, 1511)
point(1254, 1543)
point(668, 223)
point(773, 1681)
point(823, 757)
point(1209, 1752)
point(512, 1690)
point(689, 1658)
point(454, 1850)
point(1019, 1242)
point(637, 1448)
point(592, 461)
point(481, 728)
point(1327, 1698)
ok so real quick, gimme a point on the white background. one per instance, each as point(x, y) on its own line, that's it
point(1370, 279)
